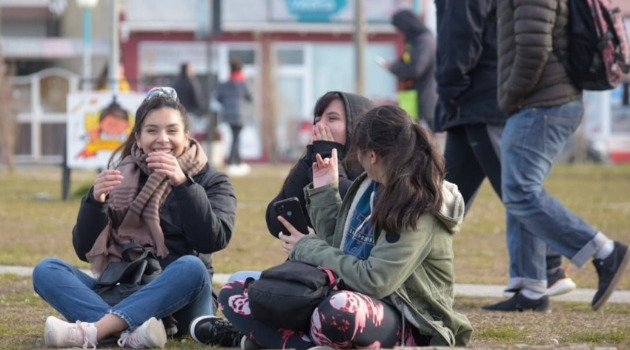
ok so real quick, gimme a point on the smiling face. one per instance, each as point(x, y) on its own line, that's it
point(113, 127)
point(163, 131)
point(334, 117)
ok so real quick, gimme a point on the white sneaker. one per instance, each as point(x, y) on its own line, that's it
point(151, 334)
point(238, 170)
point(561, 286)
point(245, 168)
point(62, 334)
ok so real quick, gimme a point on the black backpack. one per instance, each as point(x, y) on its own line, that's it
point(286, 295)
point(598, 55)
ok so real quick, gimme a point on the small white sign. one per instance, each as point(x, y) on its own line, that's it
point(98, 123)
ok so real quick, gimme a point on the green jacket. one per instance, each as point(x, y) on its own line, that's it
point(413, 270)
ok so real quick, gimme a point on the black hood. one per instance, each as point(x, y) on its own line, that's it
point(355, 106)
point(408, 23)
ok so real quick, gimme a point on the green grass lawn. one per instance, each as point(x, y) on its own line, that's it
point(32, 228)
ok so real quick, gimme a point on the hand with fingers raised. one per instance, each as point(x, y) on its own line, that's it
point(325, 170)
point(105, 182)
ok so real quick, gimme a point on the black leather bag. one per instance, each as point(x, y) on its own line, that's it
point(286, 295)
point(121, 279)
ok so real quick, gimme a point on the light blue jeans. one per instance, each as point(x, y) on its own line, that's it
point(183, 289)
point(243, 275)
point(532, 138)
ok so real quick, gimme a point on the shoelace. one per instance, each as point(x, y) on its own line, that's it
point(126, 338)
point(84, 334)
point(225, 334)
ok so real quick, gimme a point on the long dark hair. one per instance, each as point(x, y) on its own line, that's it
point(152, 102)
point(414, 169)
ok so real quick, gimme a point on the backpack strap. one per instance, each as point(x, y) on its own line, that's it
point(332, 277)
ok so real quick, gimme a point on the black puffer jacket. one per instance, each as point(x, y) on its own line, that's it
point(530, 73)
point(467, 64)
point(196, 218)
point(302, 174)
point(420, 65)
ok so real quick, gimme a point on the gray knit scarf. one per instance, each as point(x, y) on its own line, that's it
point(134, 216)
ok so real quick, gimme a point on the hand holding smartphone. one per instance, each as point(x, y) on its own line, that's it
point(291, 210)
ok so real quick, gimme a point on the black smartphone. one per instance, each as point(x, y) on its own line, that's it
point(291, 210)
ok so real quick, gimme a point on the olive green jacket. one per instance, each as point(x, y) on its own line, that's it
point(413, 270)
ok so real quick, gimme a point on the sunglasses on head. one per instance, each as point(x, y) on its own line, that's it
point(164, 91)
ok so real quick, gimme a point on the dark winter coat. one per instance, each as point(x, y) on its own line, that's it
point(420, 65)
point(302, 173)
point(189, 94)
point(530, 73)
point(197, 218)
point(467, 64)
point(232, 94)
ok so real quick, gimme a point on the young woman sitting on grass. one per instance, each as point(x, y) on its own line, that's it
point(163, 195)
point(390, 240)
point(335, 116)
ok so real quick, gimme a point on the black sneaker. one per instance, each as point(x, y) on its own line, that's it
point(520, 303)
point(213, 330)
point(609, 271)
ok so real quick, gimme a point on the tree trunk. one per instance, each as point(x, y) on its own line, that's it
point(8, 125)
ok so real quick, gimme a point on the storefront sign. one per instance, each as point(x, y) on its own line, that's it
point(315, 10)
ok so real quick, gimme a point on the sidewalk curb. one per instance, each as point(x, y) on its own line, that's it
point(469, 290)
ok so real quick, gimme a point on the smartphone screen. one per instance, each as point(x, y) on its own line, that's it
point(291, 210)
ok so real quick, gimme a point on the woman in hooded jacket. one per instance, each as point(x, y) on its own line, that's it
point(334, 118)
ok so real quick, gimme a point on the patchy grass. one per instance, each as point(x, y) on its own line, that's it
point(24, 314)
point(33, 228)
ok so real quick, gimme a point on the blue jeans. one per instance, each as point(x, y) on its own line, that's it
point(532, 138)
point(183, 289)
point(243, 275)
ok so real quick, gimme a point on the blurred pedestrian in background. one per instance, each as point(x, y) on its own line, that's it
point(415, 68)
point(232, 95)
point(190, 94)
point(545, 108)
point(188, 90)
point(469, 111)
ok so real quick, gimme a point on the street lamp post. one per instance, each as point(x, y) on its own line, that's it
point(87, 6)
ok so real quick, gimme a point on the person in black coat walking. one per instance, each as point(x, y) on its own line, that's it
point(188, 90)
point(468, 109)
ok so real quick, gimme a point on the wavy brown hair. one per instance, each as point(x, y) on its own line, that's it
point(414, 169)
point(149, 104)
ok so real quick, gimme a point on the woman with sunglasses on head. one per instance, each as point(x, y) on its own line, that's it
point(390, 240)
point(161, 193)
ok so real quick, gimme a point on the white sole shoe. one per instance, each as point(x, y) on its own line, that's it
point(562, 286)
